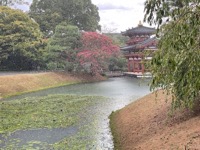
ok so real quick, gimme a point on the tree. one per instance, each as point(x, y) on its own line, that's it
point(118, 38)
point(106, 29)
point(96, 50)
point(176, 66)
point(62, 47)
point(49, 13)
point(159, 11)
point(21, 44)
point(117, 63)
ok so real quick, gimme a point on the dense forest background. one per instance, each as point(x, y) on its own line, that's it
point(51, 37)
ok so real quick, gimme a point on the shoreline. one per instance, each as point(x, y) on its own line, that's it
point(17, 84)
point(146, 124)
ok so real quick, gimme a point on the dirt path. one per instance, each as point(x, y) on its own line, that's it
point(146, 125)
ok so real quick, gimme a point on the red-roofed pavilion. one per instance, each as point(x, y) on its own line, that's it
point(141, 41)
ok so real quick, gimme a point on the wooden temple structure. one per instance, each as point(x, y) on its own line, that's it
point(141, 42)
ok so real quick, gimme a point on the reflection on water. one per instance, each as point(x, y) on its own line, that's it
point(119, 88)
point(120, 91)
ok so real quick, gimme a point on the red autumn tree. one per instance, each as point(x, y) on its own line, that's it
point(96, 50)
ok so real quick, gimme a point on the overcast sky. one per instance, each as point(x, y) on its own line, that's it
point(118, 14)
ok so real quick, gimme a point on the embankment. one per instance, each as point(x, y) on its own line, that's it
point(145, 124)
point(22, 83)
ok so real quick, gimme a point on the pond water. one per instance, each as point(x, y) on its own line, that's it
point(95, 122)
point(119, 88)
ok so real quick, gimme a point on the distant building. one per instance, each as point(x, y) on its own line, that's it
point(141, 42)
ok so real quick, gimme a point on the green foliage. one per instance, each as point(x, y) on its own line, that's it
point(175, 66)
point(117, 63)
point(49, 13)
point(21, 45)
point(62, 48)
point(118, 38)
point(159, 11)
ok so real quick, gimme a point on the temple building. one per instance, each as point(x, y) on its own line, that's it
point(139, 48)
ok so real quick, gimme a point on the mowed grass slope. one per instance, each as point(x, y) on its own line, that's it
point(21, 83)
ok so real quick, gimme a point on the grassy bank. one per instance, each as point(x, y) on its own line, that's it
point(22, 83)
point(146, 124)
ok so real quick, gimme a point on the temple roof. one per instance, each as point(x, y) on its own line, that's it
point(139, 30)
point(140, 45)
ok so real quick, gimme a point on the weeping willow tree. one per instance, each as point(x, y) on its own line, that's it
point(176, 65)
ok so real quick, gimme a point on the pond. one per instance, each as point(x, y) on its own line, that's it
point(93, 128)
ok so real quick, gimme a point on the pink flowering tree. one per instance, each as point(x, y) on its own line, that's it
point(96, 50)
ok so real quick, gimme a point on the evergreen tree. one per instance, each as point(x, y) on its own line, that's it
point(62, 47)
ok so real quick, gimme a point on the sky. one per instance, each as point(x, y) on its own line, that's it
point(117, 15)
point(120, 15)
